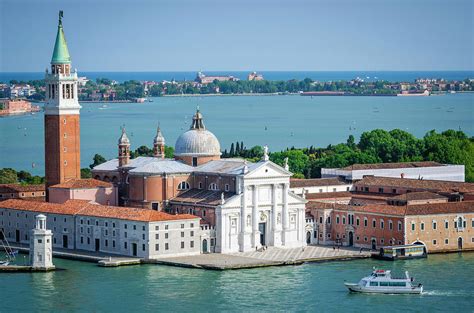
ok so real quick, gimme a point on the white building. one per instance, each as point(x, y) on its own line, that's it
point(264, 212)
point(41, 252)
point(81, 225)
point(416, 170)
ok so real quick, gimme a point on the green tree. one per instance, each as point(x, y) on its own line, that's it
point(86, 173)
point(98, 159)
point(8, 176)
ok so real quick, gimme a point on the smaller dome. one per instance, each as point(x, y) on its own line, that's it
point(123, 140)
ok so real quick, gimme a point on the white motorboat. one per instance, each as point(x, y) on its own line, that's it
point(381, 281)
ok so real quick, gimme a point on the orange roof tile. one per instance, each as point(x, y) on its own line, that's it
point(87, 183)
point(9, 188)
point(416, 184)
point(82, 207)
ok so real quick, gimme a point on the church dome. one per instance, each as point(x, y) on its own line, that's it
point(197, 141)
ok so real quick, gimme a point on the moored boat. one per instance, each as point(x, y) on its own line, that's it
point(392, 253)
point(381, 281)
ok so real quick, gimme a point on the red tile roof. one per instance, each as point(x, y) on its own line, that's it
point(416, 184)
point(422, 195)
point(375, 166)
point(88, 183)
point(328, 195)
point(82, 207)
point(11, 188)
point(317, 182)
point(418, 209)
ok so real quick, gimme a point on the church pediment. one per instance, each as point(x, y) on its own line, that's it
point(267, 169)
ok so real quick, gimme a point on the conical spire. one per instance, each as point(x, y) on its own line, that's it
point(60, 52)
point(123, 140)
point(159, 139)
point(197, 121)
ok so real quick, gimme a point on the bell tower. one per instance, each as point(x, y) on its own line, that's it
point(61, 116)
point(123, 149)
point(159, 145)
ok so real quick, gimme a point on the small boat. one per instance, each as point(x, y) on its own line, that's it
point(4, 263)
point(381, 281)
point(393, 253)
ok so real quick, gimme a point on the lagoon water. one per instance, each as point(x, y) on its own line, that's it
point(278, 121)
point(318, 287)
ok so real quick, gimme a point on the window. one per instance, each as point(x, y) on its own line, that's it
point(334, 190)
point(374, 283)
point(125, 234)
point(191, 234)
point(191, 244)
point(337, 219)
point(394, 190)
point(365, 222)
point(434, 241)
point(143, 247)
point(390, 225)
point(412, 226)
point(204, 213)
point(381, 190)
point(125, 226)
point(106, 243)
point(157, 247)
point(182, 225)
point(155, 206)
point(422, 226)
point(166, 235)
point(40, 241)
point(213, 186)
point(446, 241)
point(329, 235)
point(166, 246)
point(472, 222)
point(195, 163)
point(157, 236)
point(134, 227)
point(399, 226)
point(446, 224)
point(200, 185)
point(166, 227)
point(343, 220)
point(157, 227)
point(143, 228)
point(182, 244)
point(125, 245)
point(320, 220)
point(434, 224)
point(183, 186)
point(88, 240)
point(381, 224)
point(82, 239)
point(143, 236)
point(374, 222)
point(113, 243)
point(182, 234)
point(348, 189)
point(365, 238)
point(226, 187)
point(357, 221)
point(329, 220)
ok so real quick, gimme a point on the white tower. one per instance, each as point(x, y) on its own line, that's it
point(41, 252)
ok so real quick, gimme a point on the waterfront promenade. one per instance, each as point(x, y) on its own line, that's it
point(271, 257)
point(216, 261)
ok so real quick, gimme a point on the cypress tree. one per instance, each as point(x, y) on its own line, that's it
point(231, 153)
point(237, 148)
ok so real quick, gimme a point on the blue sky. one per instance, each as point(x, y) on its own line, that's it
point(180, 35)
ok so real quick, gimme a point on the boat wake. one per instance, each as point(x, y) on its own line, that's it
point(445, 293)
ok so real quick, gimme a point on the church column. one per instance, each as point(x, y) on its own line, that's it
point(284, 214)
point(255, 239)
point(274, 215)
point(243, 219)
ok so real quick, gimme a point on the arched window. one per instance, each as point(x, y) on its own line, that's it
point(183, 186)
point(213, 186)
point(460, 222)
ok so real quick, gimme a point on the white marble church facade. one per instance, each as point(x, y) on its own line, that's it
point(264, 212)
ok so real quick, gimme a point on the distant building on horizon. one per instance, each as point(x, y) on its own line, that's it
point(204, 80)
point(255, 76)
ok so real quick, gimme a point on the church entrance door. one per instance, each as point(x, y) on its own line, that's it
point(262, 228)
